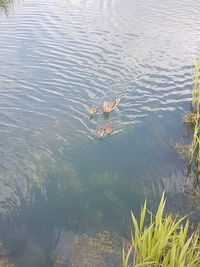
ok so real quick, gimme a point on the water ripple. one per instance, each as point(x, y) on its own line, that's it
point(60, 61)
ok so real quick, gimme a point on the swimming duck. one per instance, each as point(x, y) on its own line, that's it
point(108, 129)
point(101, 132)
point(93, 110)
point(110, 105)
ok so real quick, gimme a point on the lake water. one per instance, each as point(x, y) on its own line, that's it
point(57, 59)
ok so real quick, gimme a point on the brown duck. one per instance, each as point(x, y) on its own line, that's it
point(108, 129)
point(110, 105)
point(105, 131)
point(101, 132)
point(93, 110)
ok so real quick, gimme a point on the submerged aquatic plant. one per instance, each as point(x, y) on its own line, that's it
point(182, 150)
point(103, 249)
point(164, 242)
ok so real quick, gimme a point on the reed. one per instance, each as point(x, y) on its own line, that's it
point(194, 151)
point(164, 242)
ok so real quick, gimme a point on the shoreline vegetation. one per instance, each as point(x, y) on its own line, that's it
point(193, 121)
point(164, 242)
point(191, 152)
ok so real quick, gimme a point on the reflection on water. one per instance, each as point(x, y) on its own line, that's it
point(59, 58)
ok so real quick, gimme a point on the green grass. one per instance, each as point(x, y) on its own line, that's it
point(194, 151)
point(191, 152)
point(163, 242)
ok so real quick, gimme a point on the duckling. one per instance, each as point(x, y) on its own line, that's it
point(101, 132)
point(108, 129)
point(93, 110)
point(110, 105)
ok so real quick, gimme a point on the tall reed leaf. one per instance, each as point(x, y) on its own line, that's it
point(164, 242)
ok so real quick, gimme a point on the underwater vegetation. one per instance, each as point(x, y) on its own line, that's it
point(53, 196)
point(103, 249)
point(77, 201)
point(100, 250)
point(164, 241)
point(4, 260)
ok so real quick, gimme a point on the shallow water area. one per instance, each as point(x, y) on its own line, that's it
point(59, 58)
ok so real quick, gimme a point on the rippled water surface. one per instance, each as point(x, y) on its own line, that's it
point(57, 59)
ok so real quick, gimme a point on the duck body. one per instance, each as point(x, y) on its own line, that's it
point(105, 131)
point(108, 129)
point(93, 110)
point(101, 132)
point(110, 105)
